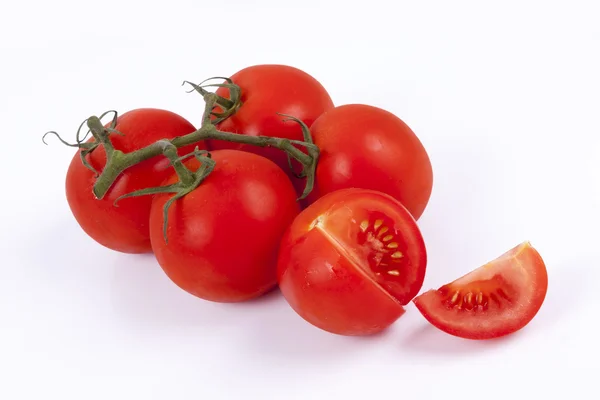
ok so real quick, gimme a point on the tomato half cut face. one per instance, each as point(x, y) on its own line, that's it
point(351, 260)
point(495, 300)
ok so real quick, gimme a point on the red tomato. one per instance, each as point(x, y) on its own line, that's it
point(351, 260)
point(494, 300)
point(266, 91)
point(367, 147)
point(223, 236)
point(124, 228)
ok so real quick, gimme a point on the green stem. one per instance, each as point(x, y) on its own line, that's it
point(229, 106)
point(170, 151)
point(211, 100)
point(188, 180)
point(101, 135)
point(119, 161)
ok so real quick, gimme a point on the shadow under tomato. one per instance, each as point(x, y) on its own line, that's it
point(427, 339)
point(277, 333)
point(139, 294)
point(272, 296)
point(145, 298)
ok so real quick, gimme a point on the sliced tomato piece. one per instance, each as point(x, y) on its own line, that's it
point(351, 260)
point(495, 300)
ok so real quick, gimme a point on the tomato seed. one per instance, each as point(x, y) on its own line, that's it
point(382, 231)
point(364, 225)
point(455, 297)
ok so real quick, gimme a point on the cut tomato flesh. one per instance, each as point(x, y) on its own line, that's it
point(494, 300)
point(373, 241)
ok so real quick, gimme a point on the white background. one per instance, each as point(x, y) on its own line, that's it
point(504, 95)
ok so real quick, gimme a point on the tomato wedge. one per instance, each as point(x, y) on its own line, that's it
point(351, 260)
point(495, 300)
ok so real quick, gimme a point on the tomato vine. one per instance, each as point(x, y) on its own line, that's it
point(118, 161)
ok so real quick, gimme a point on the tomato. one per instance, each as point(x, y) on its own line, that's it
point(367, 147)
point(224, 235)
point(495, 300)
point(351, 260)
point(266, 91)
point(124, 227)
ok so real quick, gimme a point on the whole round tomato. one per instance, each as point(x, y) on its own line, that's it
point(496, 299)
point(266, 91)
point(350, 262)
point(367, 147)
point(124, 227)
point(224, 235)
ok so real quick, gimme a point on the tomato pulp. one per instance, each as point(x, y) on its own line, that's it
point(224, 235)
point(366, 147)
point(124, 227)
point(351, 260)
point(495, 300)
point(266, 91)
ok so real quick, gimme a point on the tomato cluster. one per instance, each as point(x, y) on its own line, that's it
point(348, 258)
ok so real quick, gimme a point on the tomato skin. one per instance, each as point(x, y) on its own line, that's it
point(223, 236)
point(124, 227)
point(267, 90)
point(322, 269)
point(515, 286)
point(330, 293)
point(368, 147)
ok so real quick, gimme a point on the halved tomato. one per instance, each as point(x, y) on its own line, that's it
point(496, 299)
point(351, 260)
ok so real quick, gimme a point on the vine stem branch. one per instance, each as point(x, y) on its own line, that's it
point(117, 161)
